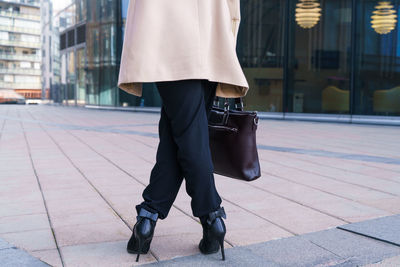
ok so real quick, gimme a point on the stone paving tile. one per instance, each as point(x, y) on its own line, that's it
point(12, 197)
point(295, 252)
point(23, 223)
point(323, 183)
point(336, 206)
point(176, 224)
point(290, 215)
point(391, 262)
point(244, 228)
point(31, 240)
point(329, 167)
point(385, 186)
point(391, 167)
point(388, 204)
point(349, 166)
point(386, 229)
point(76, 205)
point(12, 257)
point(92, 233)
point(177, 245)
point(51, 257)
point(354, 248)
point(102, 254)
point(82, 218)
point(358, 179)
point(22, 208)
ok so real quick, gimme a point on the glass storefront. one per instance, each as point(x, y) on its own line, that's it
point(314, 56)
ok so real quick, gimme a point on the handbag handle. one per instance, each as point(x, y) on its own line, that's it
point(238, 103)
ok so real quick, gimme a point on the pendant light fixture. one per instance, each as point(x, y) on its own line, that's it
point(308, 13)
point(384, 18)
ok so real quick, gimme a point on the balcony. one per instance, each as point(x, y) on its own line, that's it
point(20, 71)
point(19, 29)
point(30, 86)
point(20, 44)
point(31, 58)
point(19, 15)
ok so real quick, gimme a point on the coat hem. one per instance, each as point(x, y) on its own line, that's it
point(224, 88)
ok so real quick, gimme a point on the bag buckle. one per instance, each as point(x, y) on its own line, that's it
point(226, 104)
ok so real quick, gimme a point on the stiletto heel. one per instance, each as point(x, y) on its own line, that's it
point(142, 233)
point(140, 249)
point(221, 243)
point(214, 231)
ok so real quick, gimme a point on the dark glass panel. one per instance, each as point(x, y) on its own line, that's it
point(63, 41)
point(81, 34)
point(80, 10)
point(319, 60)
point(377, 75)
point(71, 78)
point(260, 48)
point(101, 41)
point(81, 76)
point(71, 38)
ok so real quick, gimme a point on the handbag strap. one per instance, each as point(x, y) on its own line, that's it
point(238, 103)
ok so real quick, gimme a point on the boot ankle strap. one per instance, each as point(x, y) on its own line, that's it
point(147, 214)
point(213, 215)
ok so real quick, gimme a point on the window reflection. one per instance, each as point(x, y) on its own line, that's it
point(260, 50)
point(319, 61)
point(71, 78)
point(377, 65)
point(81, 77)
point(102, 50)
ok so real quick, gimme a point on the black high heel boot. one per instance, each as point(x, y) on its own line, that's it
point(142, 234)
point(214, 231)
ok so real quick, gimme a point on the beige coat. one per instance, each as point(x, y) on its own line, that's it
point(182, 39)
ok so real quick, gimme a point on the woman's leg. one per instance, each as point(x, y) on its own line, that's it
point(166, 177)
point(186, 109)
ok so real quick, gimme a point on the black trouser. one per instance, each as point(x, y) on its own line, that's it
point(183, 150)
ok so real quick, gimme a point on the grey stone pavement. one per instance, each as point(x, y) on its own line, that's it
point(329, 194)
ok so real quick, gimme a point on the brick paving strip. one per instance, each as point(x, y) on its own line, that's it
point(70, 177)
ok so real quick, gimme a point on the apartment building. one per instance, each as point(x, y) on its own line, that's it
point(20, 49)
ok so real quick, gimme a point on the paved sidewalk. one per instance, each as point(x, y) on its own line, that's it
point(70, 177)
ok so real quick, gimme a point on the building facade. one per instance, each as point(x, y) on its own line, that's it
point(20, 48)
point(301, 57)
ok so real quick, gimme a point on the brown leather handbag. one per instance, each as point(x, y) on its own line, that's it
point(233, 141)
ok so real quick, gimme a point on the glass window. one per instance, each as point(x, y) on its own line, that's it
point(319, 57)
point(71, 78)
point(377, 81)
point(80, 10)
point(81, 77)
point(260, 49)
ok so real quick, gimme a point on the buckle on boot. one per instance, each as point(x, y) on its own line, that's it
point(213, 215)
point(147, 214)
